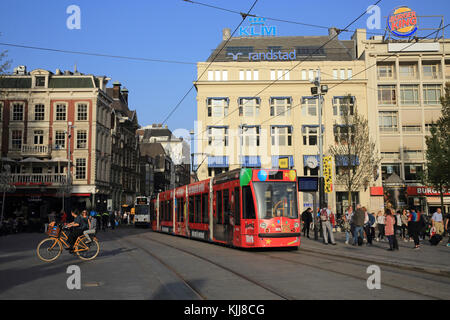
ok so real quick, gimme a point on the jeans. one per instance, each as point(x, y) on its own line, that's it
point(358, 231)
point(393, 244)
point(327, 230)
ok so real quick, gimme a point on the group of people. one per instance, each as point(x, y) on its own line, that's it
point(360, 224)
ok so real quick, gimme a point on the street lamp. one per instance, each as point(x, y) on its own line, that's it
point(319, 91)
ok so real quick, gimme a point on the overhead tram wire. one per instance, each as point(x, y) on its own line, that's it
point(244, 16)
point(275, 19)
point(367, 68)
point(294, 67)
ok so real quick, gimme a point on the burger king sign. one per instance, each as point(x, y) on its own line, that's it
point(402, 22)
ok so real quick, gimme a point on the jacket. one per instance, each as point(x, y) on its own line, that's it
point(358, 218)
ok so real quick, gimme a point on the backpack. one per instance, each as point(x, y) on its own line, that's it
point(434, 241)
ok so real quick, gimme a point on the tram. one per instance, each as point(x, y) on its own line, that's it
point(245, 208)
point(142, 211)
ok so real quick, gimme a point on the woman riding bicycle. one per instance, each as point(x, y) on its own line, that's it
point(76, 228)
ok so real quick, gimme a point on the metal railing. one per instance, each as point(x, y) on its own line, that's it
point(34, 149)
point(38, 178)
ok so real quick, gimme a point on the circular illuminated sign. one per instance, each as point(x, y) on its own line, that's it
point(262, 175)
point(402, 22)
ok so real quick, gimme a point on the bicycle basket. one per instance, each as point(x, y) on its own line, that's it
point(53, 231)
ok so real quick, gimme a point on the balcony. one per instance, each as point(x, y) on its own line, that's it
point(35, 150)
point(38, 179)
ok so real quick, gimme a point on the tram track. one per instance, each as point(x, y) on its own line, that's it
point(221, 266)
point(347, 274)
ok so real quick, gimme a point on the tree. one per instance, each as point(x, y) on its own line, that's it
point(437, 167)
point(355, 154)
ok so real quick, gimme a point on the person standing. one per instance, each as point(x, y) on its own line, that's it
point(306, 220)
point(438, 222)
point(358, 221)
point(325, 219)
point(404, 218)
point(380, 224)
point(105, 220)
point(389, 230)
point(370, 228)
point(398, 223)
point(347, 220)
point(415, 225)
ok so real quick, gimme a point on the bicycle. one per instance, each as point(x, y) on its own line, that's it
point(50, 248)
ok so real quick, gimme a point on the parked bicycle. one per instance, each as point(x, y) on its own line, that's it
point(50, 248)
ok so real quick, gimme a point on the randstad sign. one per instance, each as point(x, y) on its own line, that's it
point(272, 56)
point(257, 28)
point(402, 22)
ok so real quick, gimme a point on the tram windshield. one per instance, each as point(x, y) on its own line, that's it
point(276, 199)
point(141, 209)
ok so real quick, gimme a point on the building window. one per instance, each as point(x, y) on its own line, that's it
point(309, 106)
point(17, 112)
point(413, 172)
point(279, 75)
point(408, 71)
point(385, 71)
point(342, 74)
point(60, 140)
point(310, 135)
point(217, 107)
point(388, 121)
point(335, 74)
point(280, 106)
point(60, 112)
point(81, 139)
point(40, 81)
point(249, 107)
point(311, 171)
point(82, 112)
point(80, 169)
point(304, 75)
point(412, 154)
point(39, 112)
point(409, 94)
point(432, 94)
point(343, 105)
point(250, 136)
point(1, 111)
point(217, 75)
point(344, 133)
point(39, 137)
point(388, 169)
point(387, 95)
point(16, 140)
point(431, 70)
point(281, 136)
point(218, 136)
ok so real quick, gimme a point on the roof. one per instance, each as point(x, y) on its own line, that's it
point(152, 149)
point(305, 46)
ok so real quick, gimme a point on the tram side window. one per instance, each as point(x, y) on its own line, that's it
point(152, 211)
point(226, 206)
point(219, 207)
point(248, 206)
point(237, 207)
point(198, 208)
point(161, 210)
point(180, 206)
point(170, 210)
point(191, 209)
point(205, 208)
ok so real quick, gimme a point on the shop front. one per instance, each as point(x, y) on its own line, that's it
point(428, 198)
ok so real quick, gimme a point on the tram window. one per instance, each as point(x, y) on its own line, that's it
point(198, 208)
point(248, 206)
point(161, 210)
point(226, 206)
point(237, 207)
point(152, 211)
point(191, 209)
point(219, 207)
point(276, 199)
point(179, 209)
point(205, 208)
point(171, 210)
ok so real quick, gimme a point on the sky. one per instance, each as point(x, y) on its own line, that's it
point(167, 30)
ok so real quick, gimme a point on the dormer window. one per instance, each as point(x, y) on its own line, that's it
point(40, 81)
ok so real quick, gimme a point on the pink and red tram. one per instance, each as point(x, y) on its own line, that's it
point(248, 208)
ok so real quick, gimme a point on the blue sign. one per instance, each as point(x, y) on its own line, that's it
point(272, 56)
point(257, 28)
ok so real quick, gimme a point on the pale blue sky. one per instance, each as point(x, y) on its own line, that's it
point(170, 30)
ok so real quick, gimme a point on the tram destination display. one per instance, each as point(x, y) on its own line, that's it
point(308, 184)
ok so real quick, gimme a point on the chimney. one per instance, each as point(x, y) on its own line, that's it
point(125, 94)
point(116, 89)
point(333, 31)
point(226, 34)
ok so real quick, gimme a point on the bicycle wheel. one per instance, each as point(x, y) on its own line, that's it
point(93, 248)
point(49, 249)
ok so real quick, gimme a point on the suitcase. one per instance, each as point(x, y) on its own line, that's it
point(434, 241)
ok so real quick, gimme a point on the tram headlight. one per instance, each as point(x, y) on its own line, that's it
point(296, 225)
point(262, 225)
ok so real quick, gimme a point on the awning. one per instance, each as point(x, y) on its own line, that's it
point(437, 200)
point(218, 162)
point(275, 160)
point(342, 160)
point(251, 161)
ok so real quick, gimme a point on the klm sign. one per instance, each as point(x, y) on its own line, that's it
point(257, 28)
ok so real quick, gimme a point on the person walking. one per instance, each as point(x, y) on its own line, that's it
point(105, 220)
point(380, 224)
point(415, 225)
point(347, 220)
point(437, 222)
point(306, 220)
point(404, 218)
point(325, 219)
point(389, 230)
point(370, 228)
point(358, 221)
point(398, 223)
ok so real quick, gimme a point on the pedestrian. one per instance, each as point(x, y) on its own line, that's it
point(316, 222)
point(404, 218)
point(358, 221)
point(306, 220)
point(370, 228)
point(347, 217)
point(112, 220)
point(380, 224)
point(105, 220)
point(415, 225)
point(448, 233)
point(98, 217)
point(438, 221)
point(398, 223)
point(325, 220)
point(389, 230)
